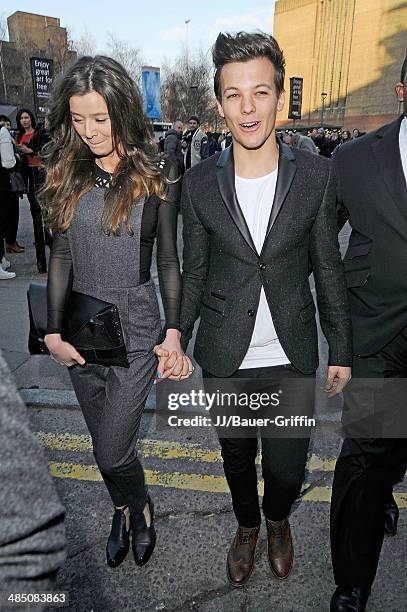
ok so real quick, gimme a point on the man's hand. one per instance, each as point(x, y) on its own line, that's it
point(337, 379)
point(173, 363)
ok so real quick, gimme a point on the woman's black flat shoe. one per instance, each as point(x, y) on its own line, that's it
point(118, 543)
point(143, 537)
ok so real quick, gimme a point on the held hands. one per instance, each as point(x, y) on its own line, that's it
point(62, 352)
point(337, 379)
point(173, 363)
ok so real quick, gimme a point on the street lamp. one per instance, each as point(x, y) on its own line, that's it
point(187, 22)
point(323, 96)
point(194, 96)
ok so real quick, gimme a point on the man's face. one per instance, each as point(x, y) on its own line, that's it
point(250, 101)
point(192, 124)
point(401, 91)
point(178, 127)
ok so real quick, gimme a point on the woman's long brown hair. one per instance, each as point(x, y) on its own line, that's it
point(70, 165)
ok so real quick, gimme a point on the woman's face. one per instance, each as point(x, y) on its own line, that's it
point(25, 121)
point(90, 118)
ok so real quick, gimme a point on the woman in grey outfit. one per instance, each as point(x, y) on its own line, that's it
point(108, 198)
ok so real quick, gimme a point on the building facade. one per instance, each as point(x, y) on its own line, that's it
point(349, 54)
point(30, 35)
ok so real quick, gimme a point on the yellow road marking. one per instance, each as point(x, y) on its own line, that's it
point(161, 449)
point(190, 482)
point(317, 464)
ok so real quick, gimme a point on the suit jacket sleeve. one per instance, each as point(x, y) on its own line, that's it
point(342, 211)
point(195, 264)
point(329, 277)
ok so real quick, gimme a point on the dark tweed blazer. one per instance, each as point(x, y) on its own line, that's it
point(223, 273)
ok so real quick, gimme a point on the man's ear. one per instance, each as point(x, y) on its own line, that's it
point(220, 109)
point(400, 92)
point(281, 101)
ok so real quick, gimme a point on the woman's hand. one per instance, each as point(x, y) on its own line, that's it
point(173, 363)
point(24, 149)
point(63, 352)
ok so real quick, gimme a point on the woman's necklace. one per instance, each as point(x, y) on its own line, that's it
point(102, 181)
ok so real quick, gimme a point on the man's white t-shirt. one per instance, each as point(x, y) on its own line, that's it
point(403, 145)
point(256, 198)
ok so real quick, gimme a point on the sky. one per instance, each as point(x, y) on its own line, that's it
point(157, 27)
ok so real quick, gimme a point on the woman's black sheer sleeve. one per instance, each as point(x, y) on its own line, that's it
point(59, 282)
point(169, 275)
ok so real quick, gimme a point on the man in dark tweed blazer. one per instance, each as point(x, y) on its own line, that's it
point(255, 217)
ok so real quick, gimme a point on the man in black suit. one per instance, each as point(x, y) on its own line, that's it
point(254, 217)
point(371, 183)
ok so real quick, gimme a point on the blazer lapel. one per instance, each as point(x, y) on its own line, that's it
point(286, 172)
point(386, 150)
point(225, 172)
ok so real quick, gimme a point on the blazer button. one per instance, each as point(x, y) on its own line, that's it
point(251, 313)
point(262, 266)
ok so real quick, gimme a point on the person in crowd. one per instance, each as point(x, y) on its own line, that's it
point(322, 143)
point(213, 144)
point(7, 163)
point(334, 141)
point(286, 137)
point(299, 141)
point(222, 141)
point(355, 134)
point(228, 139)
point(195, 143)
point(314, 134)
point(13, 208)
point(371, 175)
point(108, 197)
point(252, 221)
point(161, 144)
point(29, 142)
point(172, 146)
point(345, 136)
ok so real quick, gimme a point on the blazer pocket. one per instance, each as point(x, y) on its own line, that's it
point(308, 312)
point(218, 296)
point(357, 278)
point(211, 315)
point(358, 250)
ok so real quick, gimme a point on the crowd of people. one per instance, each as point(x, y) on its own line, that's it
point(179, 145)
point(20, 151)
point(254, 225)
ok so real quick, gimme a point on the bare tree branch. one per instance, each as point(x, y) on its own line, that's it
point(187, 89)
point(128, 56)
point(85, 44)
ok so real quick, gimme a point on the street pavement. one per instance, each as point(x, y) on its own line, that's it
point(194, 518)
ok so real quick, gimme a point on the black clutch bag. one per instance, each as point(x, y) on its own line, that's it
point(91, 325)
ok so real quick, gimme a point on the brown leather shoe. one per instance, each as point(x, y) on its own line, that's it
point(240, 561)
point(280, 548)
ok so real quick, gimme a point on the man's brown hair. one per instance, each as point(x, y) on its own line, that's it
point(243, 47)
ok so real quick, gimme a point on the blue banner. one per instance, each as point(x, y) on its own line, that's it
point(151, 91)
